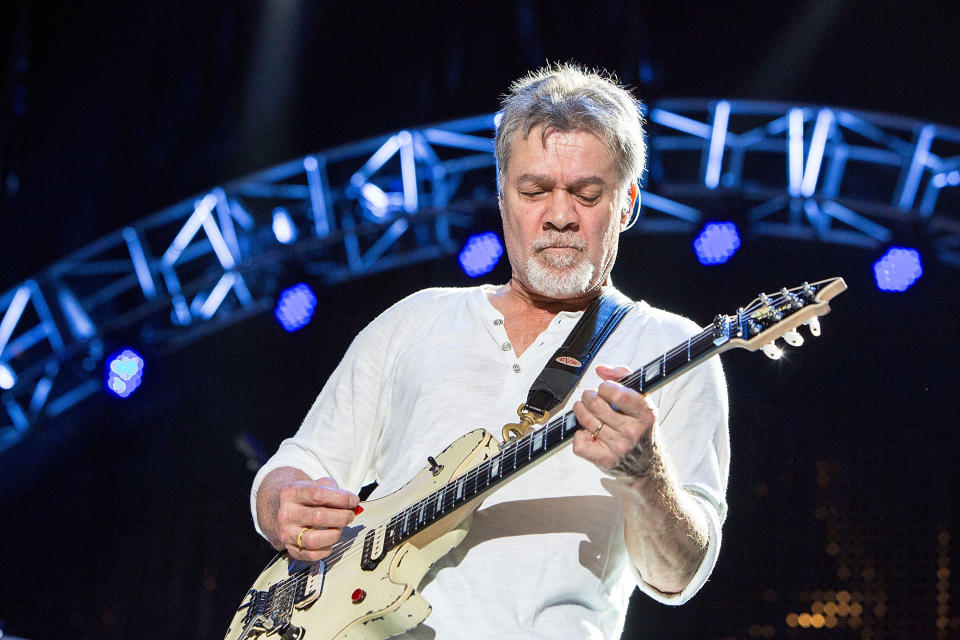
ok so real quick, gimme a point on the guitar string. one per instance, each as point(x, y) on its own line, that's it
point(348, 549)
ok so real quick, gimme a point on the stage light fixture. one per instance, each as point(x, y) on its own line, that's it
point(124, 372)
point(7, 377)
point(716, 243)
point(898, 269)
point(295, 307)
point(283, 227)
point(480, 254)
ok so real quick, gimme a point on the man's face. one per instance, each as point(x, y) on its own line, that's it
point(562, 211)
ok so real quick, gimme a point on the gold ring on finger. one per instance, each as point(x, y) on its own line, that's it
point(300, 538)
point(596, 432)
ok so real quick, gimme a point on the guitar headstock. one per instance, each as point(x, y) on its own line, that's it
point(778, 315)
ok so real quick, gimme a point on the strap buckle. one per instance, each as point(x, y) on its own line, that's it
point(528, 417)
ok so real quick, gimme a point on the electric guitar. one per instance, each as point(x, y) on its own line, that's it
point(367, 587)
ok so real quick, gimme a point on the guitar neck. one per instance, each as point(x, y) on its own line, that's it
point(518, 455)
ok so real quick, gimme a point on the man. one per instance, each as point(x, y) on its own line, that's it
point(639, 500)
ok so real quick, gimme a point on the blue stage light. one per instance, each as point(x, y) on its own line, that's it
point(124, 372)
point(295, 307)
point(717, 242)
point(8, 379)
point(283, 227)
point(898, 269)
point(480, 254)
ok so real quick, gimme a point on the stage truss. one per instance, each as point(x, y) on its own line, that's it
point(807, 172)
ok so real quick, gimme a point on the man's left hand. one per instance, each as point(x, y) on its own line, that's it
point(615, 439)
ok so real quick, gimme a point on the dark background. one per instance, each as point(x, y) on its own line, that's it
point(129, 519)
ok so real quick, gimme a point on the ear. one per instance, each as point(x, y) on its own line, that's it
point(633, 198)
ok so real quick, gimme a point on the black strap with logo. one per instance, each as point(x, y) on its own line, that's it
point(572, 359)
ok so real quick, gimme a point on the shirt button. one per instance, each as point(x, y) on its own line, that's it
point(506, 346)
point(516, 368)
point(498, 322)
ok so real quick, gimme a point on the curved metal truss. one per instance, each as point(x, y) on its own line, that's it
point(812, 172)
point(203, 264)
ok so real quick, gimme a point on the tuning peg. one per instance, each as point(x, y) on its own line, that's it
point(793, 338)
point(772, 351)
point(814, 324)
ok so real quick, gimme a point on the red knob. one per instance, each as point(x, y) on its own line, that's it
point(357, 510)
point(358, 596)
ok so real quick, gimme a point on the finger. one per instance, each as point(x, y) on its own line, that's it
point(595, 449)
point(308, 555)
point(620, 431)
point(596, 430)
point(316, 539)
point(322, 517)
point(294, 516)
point(313, 493)
point(624, 400)
point(612, 373)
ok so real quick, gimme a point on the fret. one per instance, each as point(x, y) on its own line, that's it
point(569, 423)
point(651, 370)
point(511, 450)
point(471, 483)
point(675, 362)
point(554, 433)
point(537, 440)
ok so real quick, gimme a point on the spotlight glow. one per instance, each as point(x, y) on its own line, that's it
point(7, 377)
point(480, 254)
point(898, 269)
point(717, 243)
point(295, 307)
point(124, 373)
point(283, 227)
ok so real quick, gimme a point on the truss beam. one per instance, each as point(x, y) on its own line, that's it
point(810, 172)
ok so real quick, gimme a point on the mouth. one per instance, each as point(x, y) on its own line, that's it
point(559, 257)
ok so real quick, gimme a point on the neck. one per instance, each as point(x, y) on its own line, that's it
point(517, 293)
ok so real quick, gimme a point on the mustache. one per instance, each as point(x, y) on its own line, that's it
point(555, 239)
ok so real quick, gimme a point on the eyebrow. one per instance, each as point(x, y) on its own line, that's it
point(543, 179)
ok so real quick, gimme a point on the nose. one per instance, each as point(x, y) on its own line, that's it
point(561, 212)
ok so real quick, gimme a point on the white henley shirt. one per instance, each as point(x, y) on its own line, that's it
point(545, 556)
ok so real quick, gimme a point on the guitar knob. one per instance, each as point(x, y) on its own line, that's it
point(814, 324)
point(291, 632)
point(793, 338)
point(772, 351)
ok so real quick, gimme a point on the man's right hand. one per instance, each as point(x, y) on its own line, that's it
point(301, 516)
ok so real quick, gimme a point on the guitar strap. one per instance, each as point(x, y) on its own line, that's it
point(572, 359)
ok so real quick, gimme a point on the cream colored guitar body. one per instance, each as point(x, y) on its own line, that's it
point(344, 601)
